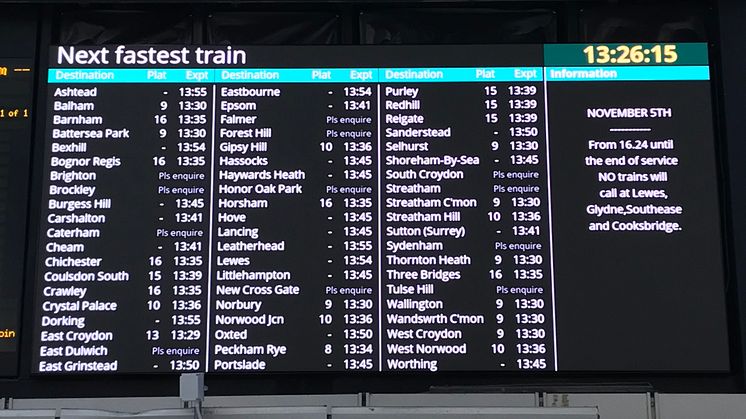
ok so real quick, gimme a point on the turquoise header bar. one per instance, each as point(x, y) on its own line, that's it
point(298, 75)
point(649, 73)
point(459, 74)
point(129, 75)
point(294, 75)
point(382, 75)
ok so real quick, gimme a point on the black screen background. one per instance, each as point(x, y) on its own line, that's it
point(643, 301)
point(620, 294)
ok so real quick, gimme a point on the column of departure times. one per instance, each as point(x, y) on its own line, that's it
point(178, 260)
point(518, 214)
point(350, 306)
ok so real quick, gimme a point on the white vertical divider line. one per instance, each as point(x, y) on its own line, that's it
point(208, 320)
point(380, 254)
point(549, 206)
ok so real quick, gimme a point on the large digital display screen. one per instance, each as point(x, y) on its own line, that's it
point(379, 209)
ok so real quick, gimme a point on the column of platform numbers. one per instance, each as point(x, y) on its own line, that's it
point(178, 273)
point(348, 204)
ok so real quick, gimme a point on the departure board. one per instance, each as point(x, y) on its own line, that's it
point(379, 209)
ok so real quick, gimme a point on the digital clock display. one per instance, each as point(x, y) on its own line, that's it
point(631, 54)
